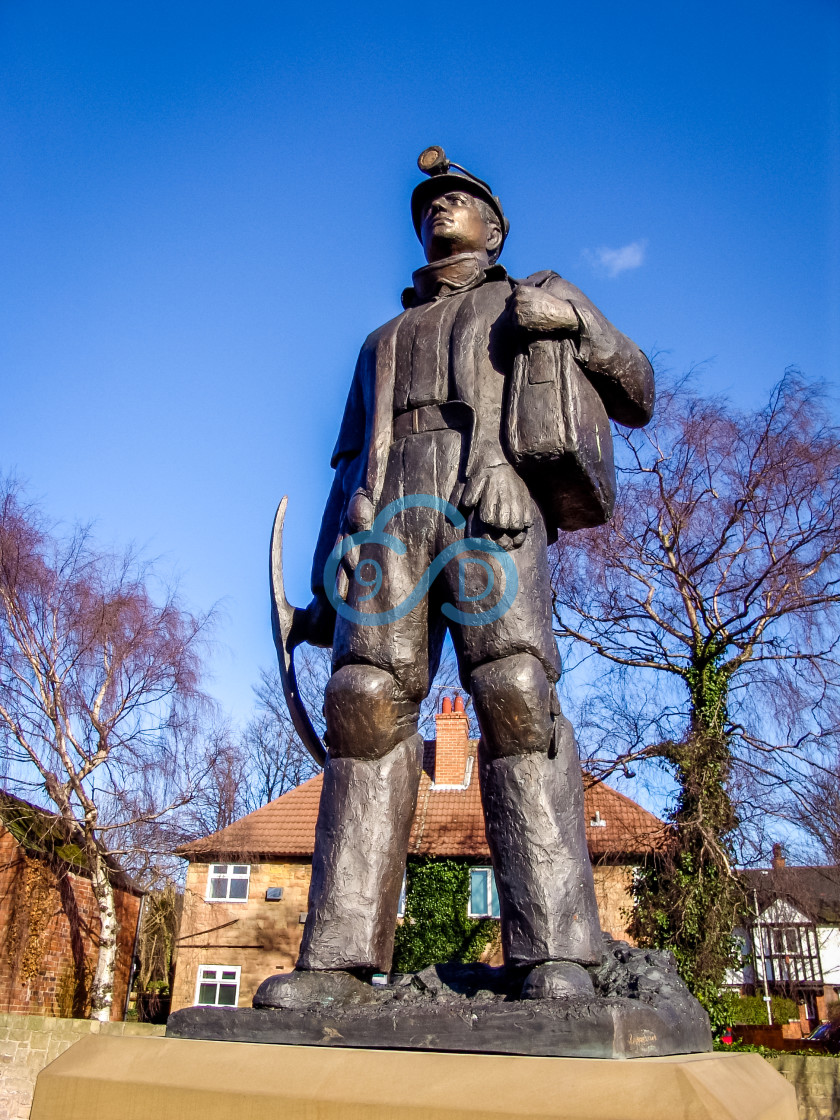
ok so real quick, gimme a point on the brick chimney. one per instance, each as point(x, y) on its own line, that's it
point(452, 737)
point(778, 858)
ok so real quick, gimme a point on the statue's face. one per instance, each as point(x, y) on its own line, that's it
point(453, 223)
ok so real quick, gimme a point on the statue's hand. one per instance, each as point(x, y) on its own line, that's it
point(315, 624)
point(534, 309)
point(502, 503)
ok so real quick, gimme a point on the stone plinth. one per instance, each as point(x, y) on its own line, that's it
point(182, 1079)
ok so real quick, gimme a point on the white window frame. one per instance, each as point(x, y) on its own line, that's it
point(221, 968)
point(491, 879)
point(229, 875)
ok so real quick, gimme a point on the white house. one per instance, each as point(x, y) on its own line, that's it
point(793, 938)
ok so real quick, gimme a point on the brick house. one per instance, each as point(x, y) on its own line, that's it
point(49, 920)
point(247, 885)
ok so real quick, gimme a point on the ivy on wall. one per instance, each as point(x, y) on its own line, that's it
point(41, 890)
point(436, 928)
point(30, 909)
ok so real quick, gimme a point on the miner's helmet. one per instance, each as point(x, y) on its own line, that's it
point(444, 176)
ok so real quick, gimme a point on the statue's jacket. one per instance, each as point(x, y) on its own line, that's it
point(477, 348)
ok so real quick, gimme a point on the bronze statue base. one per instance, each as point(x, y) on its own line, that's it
point(639, 1009)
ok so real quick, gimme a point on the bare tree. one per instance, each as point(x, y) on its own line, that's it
point(157, 945)
point(815, 808)
point(277, 760)
point(223, 793)
point(99, 680)
point(711, 604)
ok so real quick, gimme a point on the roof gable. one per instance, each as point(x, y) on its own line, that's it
point(783, 912)
point(814, 891)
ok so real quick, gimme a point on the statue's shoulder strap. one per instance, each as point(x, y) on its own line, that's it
point(538, 279)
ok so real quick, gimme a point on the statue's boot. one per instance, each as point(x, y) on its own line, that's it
point(302, 989)
point(367, 808)
point(558, 980)
point(533, 808)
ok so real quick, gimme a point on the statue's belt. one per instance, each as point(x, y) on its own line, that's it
point(433, 418)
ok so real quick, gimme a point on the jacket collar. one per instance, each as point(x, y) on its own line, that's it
point(449, 277)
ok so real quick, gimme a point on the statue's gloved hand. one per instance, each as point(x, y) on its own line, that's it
point(315, 624)
point(534, 309)
point(502, 504)
point(360, 512)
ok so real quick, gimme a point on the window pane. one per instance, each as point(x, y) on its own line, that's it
point(207, 993)
point(218, 888)
point(208, 974)
point(228, 975)
point(494, 896)
point(227, 995)
point(478, 891)
point(240, 869)
point(219, 869)
point(238, 888)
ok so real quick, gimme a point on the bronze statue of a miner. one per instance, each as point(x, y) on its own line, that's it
point(476, 428)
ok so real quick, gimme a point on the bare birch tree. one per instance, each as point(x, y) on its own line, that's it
point(98, 680)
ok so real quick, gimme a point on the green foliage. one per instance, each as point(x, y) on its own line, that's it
point(436, 928)
point(688, 906)
point(708, 686)
point(752, 1010)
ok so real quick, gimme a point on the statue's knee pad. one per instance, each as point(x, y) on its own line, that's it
point(366, 715)
point(514, 703)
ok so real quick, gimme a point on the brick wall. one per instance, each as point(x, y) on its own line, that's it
point(30, 1042)
point(260, 937)
point(48, 932)
point(613, 893)
point(451, 743)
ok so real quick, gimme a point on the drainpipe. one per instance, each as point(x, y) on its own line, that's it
point(763, 960)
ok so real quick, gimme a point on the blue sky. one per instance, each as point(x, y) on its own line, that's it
point(205, 210)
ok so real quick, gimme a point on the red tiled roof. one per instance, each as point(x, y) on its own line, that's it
point(448, 822)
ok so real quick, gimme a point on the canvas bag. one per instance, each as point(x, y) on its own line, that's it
point(558, 436)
